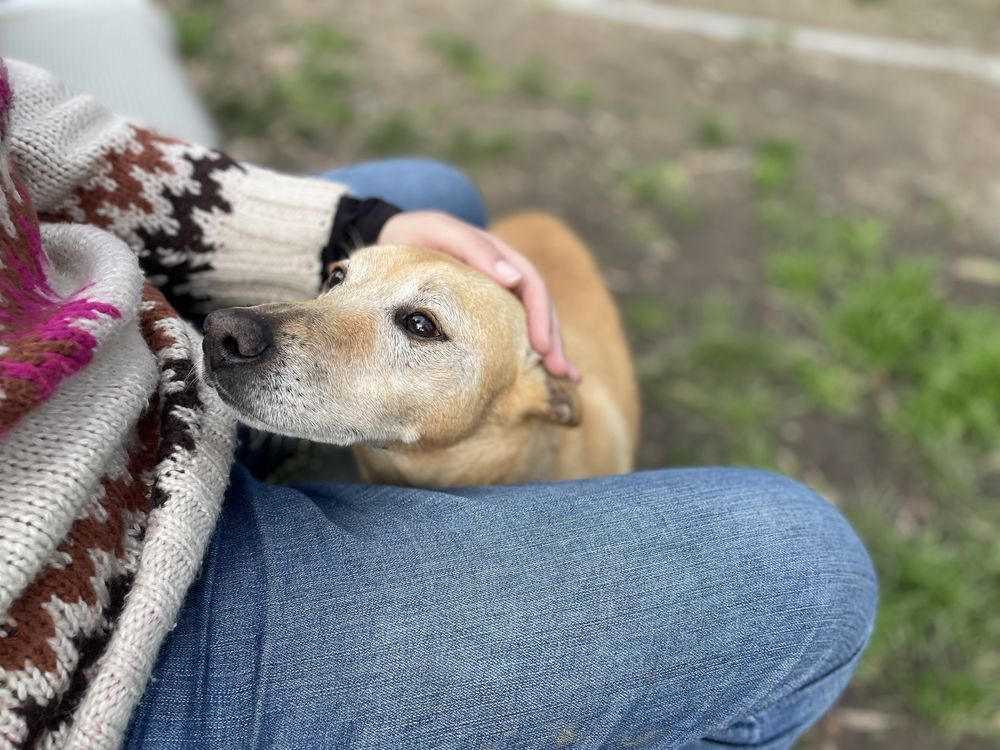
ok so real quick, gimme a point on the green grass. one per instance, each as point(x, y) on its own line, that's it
point(661, 185)
point(935, 363)
point(397, 133)
point(733, 384)
point(196, 29)
point(716, 131)
point(776, 164)
point(937, 640)
point(461, 55)
point(859, 332)
point(533, 79)
point(310, 99)
point(320, 39)
point(581, 96)
point(473, 148)
point(647, 316)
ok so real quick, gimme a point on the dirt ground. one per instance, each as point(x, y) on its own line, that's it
point(915, 148)
point(878, 137)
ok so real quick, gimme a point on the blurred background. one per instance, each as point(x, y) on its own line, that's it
point(802, 229)
point(805, 247)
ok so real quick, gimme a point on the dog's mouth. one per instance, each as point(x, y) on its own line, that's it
point(213, 382)
point(233, 401)
point(227, 398)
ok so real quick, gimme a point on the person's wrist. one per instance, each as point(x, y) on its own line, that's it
point(357, 223)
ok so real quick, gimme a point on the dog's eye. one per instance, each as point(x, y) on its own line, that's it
point(336, 275)
point(421, 326)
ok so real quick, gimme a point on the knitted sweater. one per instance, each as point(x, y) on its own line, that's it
point(113, 454)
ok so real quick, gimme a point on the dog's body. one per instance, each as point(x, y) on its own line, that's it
point(423, 365)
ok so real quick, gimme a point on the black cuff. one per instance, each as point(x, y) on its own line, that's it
point(357, 223)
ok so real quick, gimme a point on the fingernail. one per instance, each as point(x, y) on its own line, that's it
point(506, 271)
point(574, 374)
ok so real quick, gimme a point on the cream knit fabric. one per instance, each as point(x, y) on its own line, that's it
point(113, 455)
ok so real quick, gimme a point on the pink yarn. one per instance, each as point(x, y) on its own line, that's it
point(33, 318)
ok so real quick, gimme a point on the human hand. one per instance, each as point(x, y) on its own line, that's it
point(498, 260)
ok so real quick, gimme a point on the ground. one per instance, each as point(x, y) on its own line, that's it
point(806, 251)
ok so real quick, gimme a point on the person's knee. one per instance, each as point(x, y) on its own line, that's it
point(415, 184)
point(459, 193)
point(812, 603)
point(441, 173)
point(784, 556)
point(445, 187)
point(782, 586)
point(813, 542)
point(813, 609)
point(813, 557)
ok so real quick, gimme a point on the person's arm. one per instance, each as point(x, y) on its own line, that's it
point(208, 231)
point(211, 232)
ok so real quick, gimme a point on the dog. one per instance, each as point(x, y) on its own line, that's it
point(423, 365)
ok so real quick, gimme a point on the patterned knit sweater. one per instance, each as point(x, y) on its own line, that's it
point(113, 454)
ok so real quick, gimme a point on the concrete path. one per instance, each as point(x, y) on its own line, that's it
point(846, 44)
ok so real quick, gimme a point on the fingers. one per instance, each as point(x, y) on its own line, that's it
point(556, 361)
point(535, 298)
point(503, 270)
point(456, 238)
point(502, 263)
point(543, 321)
point(483, 252)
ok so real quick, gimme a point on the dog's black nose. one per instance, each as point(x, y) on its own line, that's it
point(235, 336)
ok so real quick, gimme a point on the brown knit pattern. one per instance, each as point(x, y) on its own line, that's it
point(150, 191)
point(114, 454)
point(57, 630)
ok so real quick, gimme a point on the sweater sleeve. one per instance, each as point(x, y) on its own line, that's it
point(208, 231)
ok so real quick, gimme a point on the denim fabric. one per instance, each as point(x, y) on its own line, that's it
point(678, 608)
point(415, 184)
point(695, 608)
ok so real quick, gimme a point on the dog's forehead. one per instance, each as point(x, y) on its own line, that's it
point(412, 271)
point(404, 260)
point(391, 277)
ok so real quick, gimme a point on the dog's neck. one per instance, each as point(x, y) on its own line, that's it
point(517, 440)
point(493, 454)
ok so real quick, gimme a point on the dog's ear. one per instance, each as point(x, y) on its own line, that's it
point(538, 395)
point(563, 404)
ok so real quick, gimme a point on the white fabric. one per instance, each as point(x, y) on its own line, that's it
point(120, 51)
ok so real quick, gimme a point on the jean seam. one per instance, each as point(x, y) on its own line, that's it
point(752, 715)
point(207, 625)
point(259, 666)
point(850, 662)
point(746, 709)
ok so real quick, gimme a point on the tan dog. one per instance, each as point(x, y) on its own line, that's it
point(423, 365)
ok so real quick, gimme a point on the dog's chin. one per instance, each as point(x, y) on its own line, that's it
point(248, 416)
point(331, 433)
point(234, 402)
point(231, 397)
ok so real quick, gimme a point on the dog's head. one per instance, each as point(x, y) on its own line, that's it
point(403, 346)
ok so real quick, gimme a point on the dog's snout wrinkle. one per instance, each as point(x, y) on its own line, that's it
point(235, 336)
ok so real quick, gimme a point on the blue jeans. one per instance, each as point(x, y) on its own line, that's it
point(415, 184)
point(686, 608)
point(680, 608)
